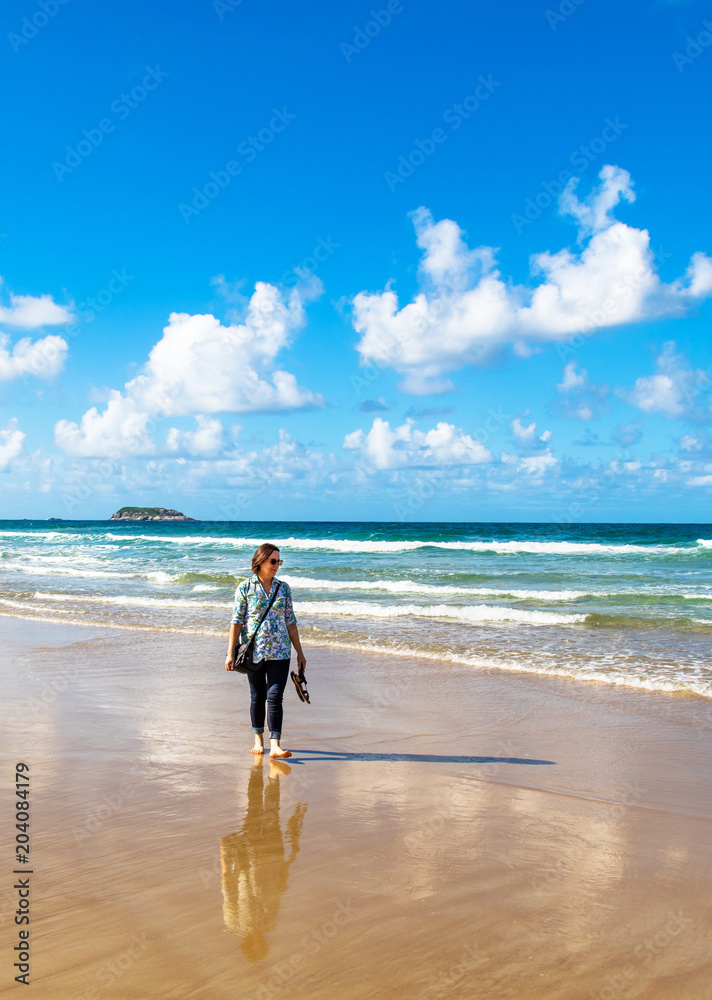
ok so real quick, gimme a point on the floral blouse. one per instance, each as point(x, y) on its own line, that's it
point(272, 642)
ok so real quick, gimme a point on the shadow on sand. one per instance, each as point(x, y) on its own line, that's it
point(417, 758)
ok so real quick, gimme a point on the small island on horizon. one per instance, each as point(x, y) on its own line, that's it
point(149, 514)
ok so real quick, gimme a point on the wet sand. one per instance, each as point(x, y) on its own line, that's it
point(440, 831)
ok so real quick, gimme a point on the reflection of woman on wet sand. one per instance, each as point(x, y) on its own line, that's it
point(254, 868)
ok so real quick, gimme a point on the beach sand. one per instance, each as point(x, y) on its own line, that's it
point(440, 831)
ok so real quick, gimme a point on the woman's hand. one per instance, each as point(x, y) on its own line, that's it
point(232, 641)
point(294, 637)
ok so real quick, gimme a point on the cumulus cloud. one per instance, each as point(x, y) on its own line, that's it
point(675, 390)
point(205, 440)
point(257, 469)
point(525, 436)
point(594, 213)
point(122, 429)
point(31, 311)
point(241, 477)
point(386, 448)
point(201, 367)
point(11, 438)
point(536, 465)
point(579, 398)
point(695, 457)
point(571, 380)
point(688, 442)
point(290, 459)
point(256, 472)
point(42, 358)
point(465, 312)
point(533, 466)
point(698, 445)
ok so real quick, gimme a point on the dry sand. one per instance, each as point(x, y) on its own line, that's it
point(439, 832)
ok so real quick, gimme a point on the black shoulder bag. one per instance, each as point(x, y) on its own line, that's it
point(242, 658)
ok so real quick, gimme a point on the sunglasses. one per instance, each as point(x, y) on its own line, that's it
point(276, 562)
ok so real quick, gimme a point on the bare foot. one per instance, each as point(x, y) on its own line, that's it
point(277, 751)
point(258, 748)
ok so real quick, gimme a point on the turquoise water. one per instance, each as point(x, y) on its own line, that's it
point(624, 604)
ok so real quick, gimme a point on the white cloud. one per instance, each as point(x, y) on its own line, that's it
point(571, 379)
point(289, 459)
point(122, 429)
point(525, 434)
point(206, 439)
point(698, 277)
point(675, 390)
point(386, 448)
point(31, 311)
point(200, 367)
point(595, 212)
point(657, 393)
point(582, 400)
point(696, 446)
point(237, 481)
point(240, 482)
point(536, 465)
point(688, 442)
point(42, 358)
point(256, 473)
point(531, 465)
point(11, 438)
point(465, 312)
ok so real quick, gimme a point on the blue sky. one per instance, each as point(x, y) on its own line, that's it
point(332, 261)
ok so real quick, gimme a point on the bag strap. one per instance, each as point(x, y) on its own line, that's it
point(269, 606)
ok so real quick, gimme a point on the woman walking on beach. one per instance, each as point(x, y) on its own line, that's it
point(272, 648)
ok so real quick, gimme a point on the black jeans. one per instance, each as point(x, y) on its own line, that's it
point(267, 683)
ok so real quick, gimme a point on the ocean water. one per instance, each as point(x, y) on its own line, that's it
point(626, 604)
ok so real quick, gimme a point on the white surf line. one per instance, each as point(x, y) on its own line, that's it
point(114, 625)
point(637, 684)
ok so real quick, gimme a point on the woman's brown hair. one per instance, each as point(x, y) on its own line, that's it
point(261, 554)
